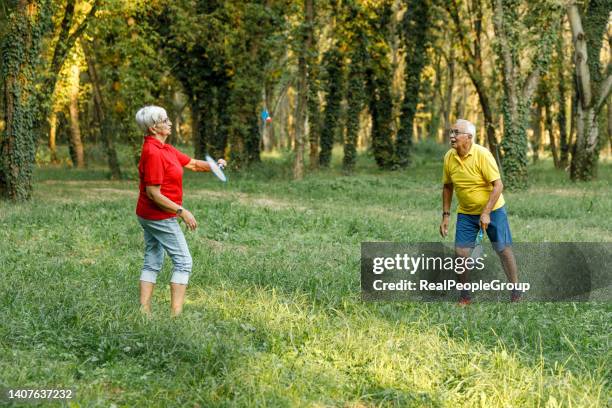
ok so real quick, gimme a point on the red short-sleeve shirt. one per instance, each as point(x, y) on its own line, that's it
point(160, 164)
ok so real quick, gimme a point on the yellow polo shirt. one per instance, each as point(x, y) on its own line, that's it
point(472, 178)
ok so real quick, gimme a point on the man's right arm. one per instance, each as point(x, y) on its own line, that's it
point(447, 197)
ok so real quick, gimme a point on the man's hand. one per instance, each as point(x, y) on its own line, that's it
point(444, 226)
point(189, 219)
point(485, 220)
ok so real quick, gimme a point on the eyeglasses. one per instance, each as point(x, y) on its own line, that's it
point(455, 133)
point(165, 122)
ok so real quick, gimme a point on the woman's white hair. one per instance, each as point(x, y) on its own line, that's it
point(150, 116)
point(468, 126)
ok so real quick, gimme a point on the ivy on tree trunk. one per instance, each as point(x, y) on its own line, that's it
point(593, 86)
point(333, 63)
point(415, 25)
point(20, 50)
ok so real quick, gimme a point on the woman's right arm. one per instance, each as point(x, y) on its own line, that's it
point(163, 202)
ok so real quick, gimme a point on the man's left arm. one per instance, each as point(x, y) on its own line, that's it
point(485, 218)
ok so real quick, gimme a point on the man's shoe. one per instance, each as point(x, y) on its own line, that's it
point(515, 296)
point(463, 301)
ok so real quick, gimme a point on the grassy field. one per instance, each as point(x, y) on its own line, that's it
point(273, 314)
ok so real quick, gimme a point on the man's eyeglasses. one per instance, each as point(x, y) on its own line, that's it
point(455, 133)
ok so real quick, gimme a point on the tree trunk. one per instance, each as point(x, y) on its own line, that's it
point(489, 124)
point(53, 136)
point(592, 88)
point(610, 124)
point(551, 136)
point(435, 106)
point(106, 131)
point(448, 94)
point(586, 153)
point(416, 23)
point(300, 116)
point(204, 123)
point(195, 127)
point(314, 116)
point(379, 91)
point(265, 127)
point(303, 91)
point(561, 116)
point(75, 129)
point(515, 104)
point(355, 98)
point(334, 65)
point(27, 27)
point(537, 132)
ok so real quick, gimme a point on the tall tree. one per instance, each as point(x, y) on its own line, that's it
point(537, 128)
point(305, 46)
point(378, 87)
point(510, 28)
point(561, 99)
point(100, 108)
point(588, 26)
point(416, 39)
point(468, 29)
point(28, 24)
point(448, 94)
point(355, 99)
point(312, 64)
point(76, 143)
point(333, 63)
point(378, 83)
point(550, 129)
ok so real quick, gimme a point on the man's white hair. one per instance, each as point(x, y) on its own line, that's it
point(150, 116)
point(469, 126)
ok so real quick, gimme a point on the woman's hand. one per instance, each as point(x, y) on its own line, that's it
point(189, 219)
point(222, 163)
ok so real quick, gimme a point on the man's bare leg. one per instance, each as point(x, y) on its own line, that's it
point(177, 297)
point(146, 291)
point(509, 264)
point(463, 277)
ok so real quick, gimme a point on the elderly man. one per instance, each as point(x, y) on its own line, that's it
point(471, 171)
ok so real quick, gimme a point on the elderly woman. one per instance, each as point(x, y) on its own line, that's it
point(160, 204)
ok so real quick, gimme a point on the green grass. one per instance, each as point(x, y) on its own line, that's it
point(273, 314)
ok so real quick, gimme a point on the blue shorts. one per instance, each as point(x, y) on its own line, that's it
point(498, 230)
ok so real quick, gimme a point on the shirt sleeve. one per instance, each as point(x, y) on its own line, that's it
point(489, 168)
point(446, 179)
point(153, 168)
point(182, 157)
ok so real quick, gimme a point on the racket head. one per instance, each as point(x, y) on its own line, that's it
point(215, 168)
point(478, 250)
